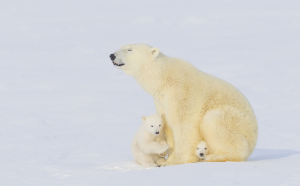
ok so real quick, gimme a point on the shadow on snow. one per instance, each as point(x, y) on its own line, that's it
point(268, 154)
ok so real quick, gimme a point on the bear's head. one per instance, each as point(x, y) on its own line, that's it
point(153, 123)
point(131, 58)
point(201, 150)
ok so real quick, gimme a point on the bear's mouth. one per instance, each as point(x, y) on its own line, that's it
point(119, 65)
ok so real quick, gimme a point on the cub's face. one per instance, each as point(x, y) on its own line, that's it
point(201, 150)
point(153, 124)
point(131, 58)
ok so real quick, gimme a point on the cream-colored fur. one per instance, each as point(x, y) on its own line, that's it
point(149, 146)
point(202, 150)
point(197, 106)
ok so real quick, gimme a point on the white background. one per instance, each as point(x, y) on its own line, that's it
point(67, 116)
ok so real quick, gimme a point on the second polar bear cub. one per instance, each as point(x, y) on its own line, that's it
point(202, 150)
point(149, 145)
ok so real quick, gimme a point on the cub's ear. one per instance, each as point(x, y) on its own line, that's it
point(154, 52)
point(143, 118)
point(162, 115)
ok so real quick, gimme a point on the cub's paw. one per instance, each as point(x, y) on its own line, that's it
point(160, 161)
point(164, 149)
point(202, 160)
point(163, 163)
point(163, 155)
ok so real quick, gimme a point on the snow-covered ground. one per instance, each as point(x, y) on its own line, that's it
point(67, 116)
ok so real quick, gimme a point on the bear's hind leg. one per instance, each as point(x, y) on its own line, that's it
point(222, 158)
point(221, 131)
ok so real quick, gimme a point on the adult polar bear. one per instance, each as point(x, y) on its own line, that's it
point(196, 106)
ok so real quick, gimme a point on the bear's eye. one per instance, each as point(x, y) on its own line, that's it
point(205, 148)
point(151, 125)
point(129, 49)
point(197, 148)
point(159, 125)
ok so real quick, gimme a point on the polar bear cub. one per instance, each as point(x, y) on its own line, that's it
point(149, 145)
point(201, 150)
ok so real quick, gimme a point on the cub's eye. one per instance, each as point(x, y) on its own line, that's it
point(151, 125)
point(129, 49)
point(159, 125)
point(197, 148)
point(205, 148)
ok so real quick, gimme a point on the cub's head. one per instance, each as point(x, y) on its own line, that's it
point(153, 123)
point(131, 58)
point(201, 150)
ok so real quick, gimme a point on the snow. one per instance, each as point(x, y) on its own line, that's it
point(67, 116)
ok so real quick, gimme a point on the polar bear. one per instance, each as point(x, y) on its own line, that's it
point(202, 150)
point(196, 106)
point(149, 146)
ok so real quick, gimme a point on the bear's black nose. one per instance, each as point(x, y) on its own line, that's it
point(112, 56)
point(201, 154)
point(156, 132)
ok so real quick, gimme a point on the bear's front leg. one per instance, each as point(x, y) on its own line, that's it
point(168, 134)
point(171, 153)
point(171, 143)
point(186, 139)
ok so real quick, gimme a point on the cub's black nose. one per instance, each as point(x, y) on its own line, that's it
point(201, 154)
point(112, 56)
point(156, 132)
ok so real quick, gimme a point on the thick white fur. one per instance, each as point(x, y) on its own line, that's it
point(148, 147)
point(202, 150)
point(197, 106)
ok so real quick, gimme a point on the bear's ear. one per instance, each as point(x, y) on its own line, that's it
point(143, 118)
point(154, 52)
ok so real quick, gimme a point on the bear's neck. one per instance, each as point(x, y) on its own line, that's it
point(151, 78)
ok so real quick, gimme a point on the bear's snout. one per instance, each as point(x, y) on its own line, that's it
point(156, 132)
point(201, 154)
point(112, 56)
